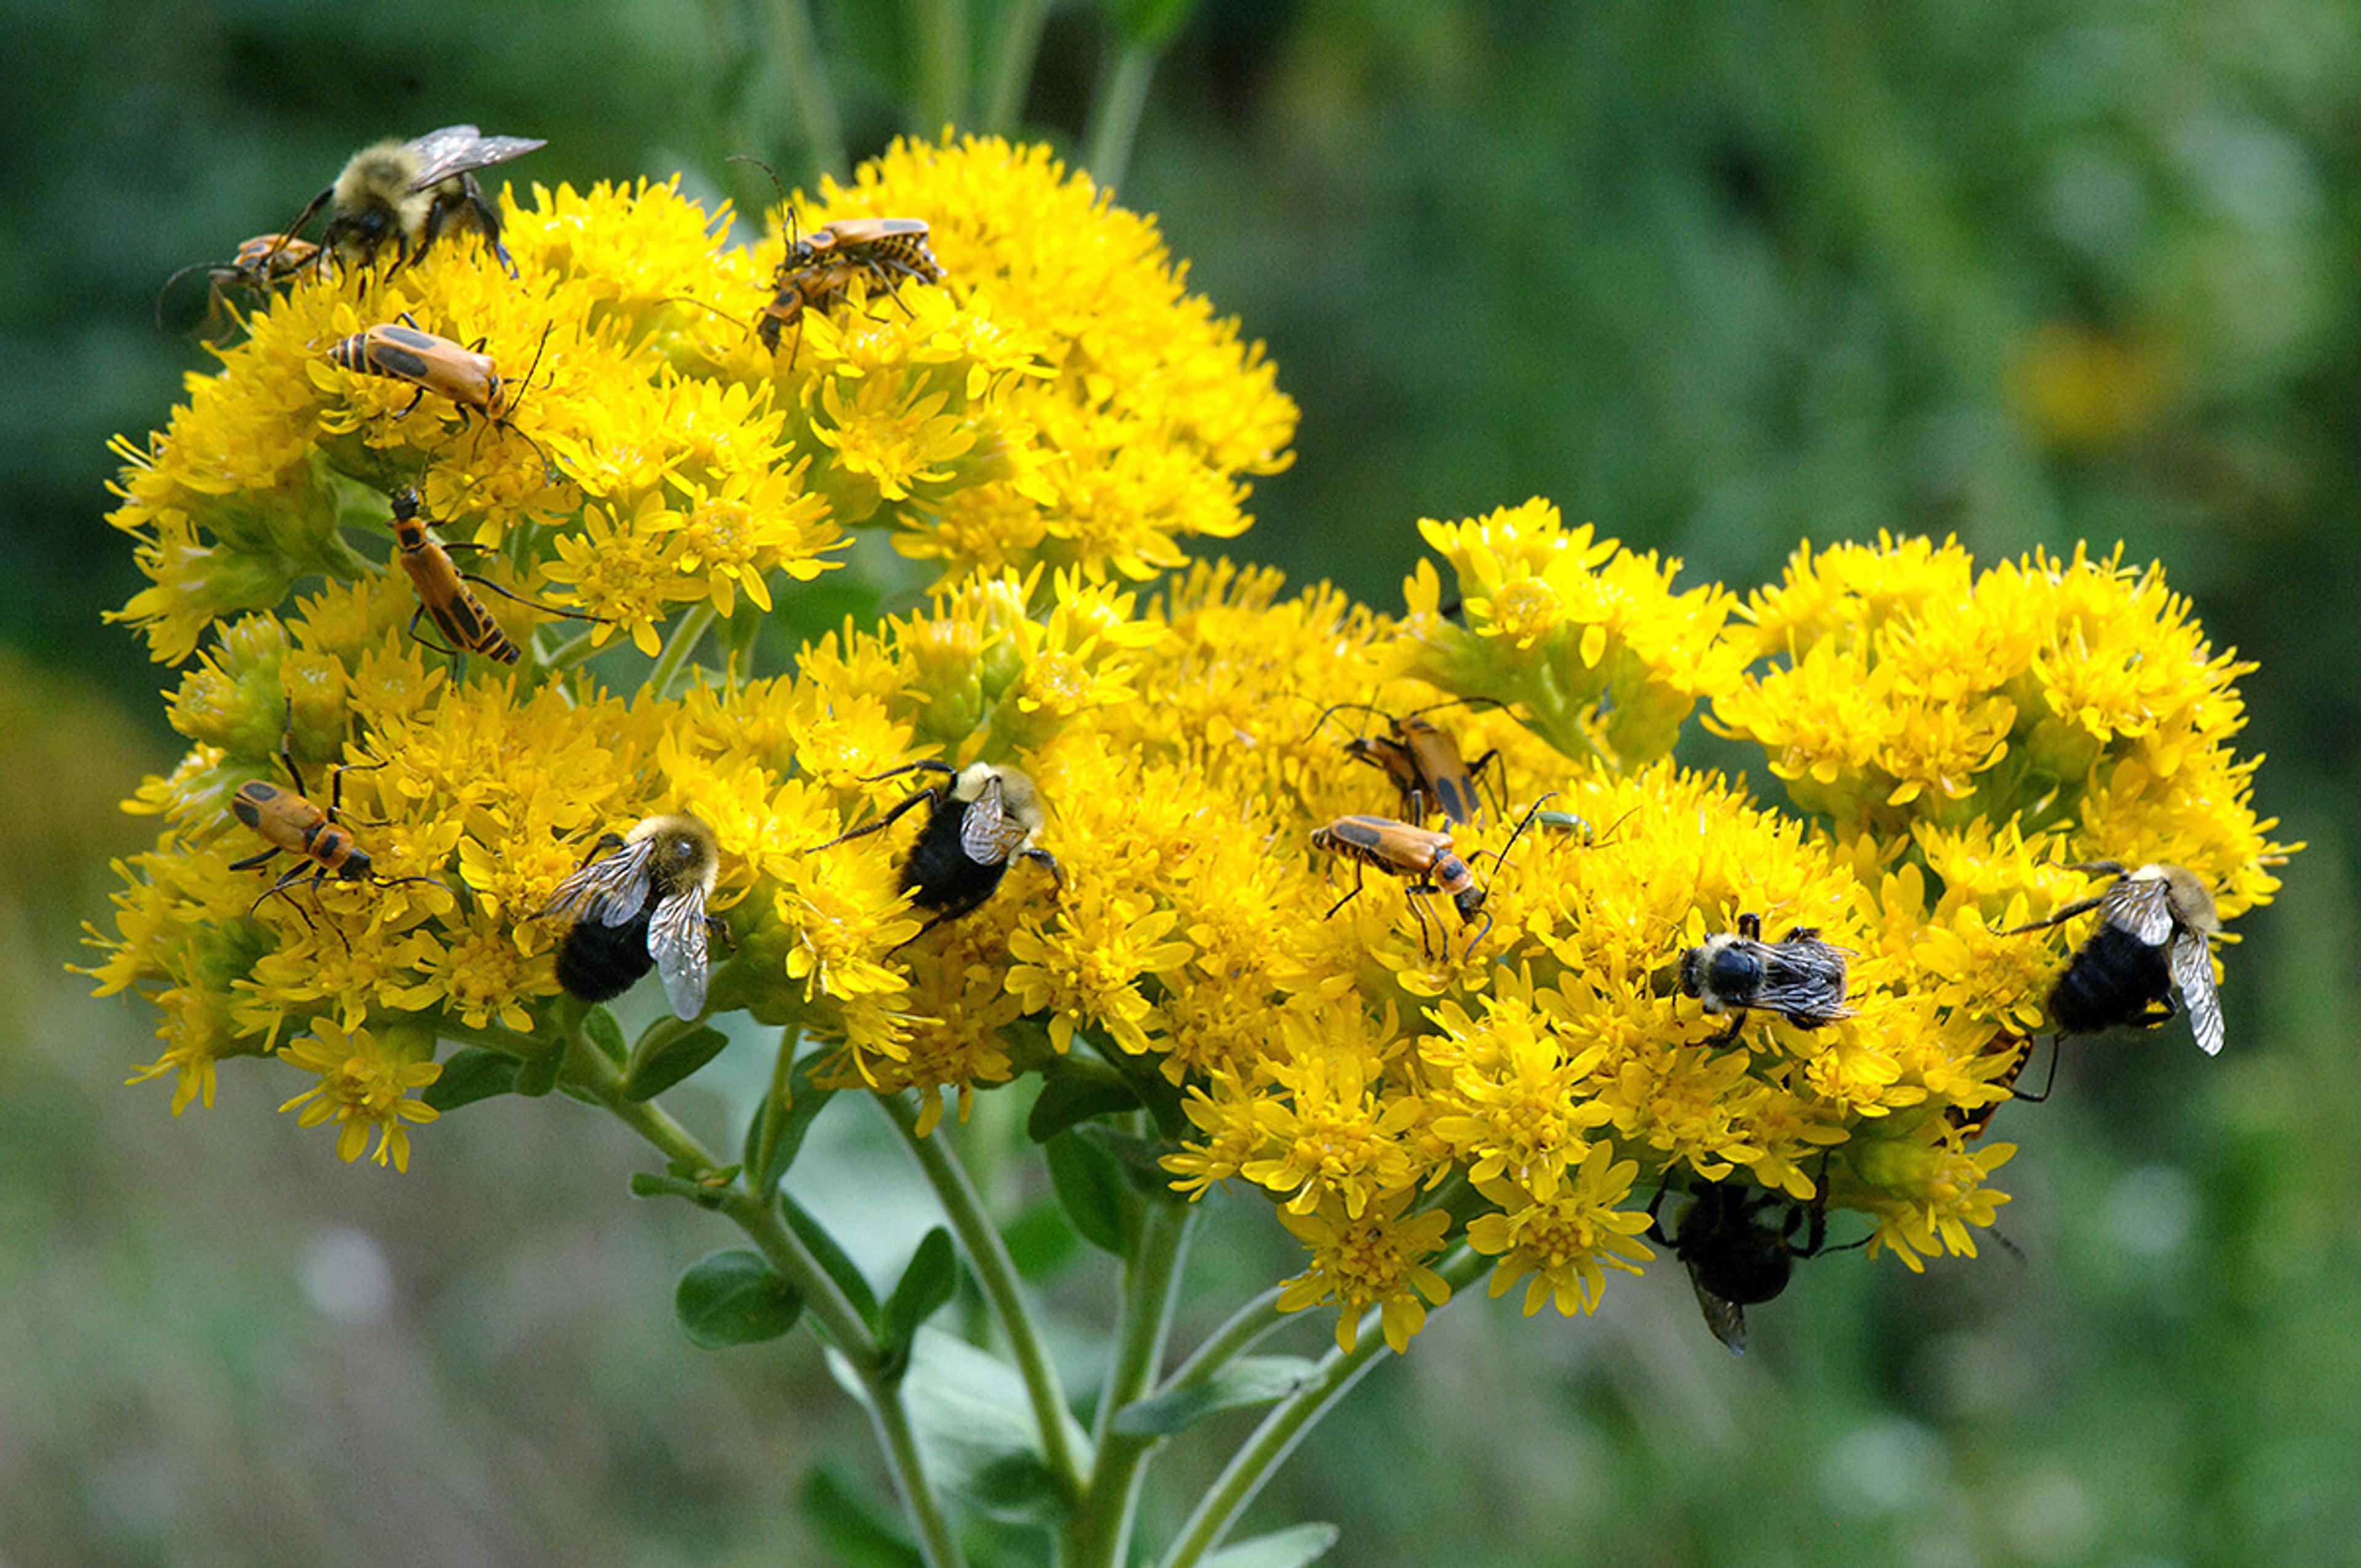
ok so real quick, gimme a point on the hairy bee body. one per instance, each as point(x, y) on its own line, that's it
point(408, 194)
point(638, 904)
point(979, 819)
point(2150, 947)
point(1799, 977)
point(1740, 1246)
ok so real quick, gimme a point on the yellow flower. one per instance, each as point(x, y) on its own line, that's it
point(1566, 1240)
point(1377, 1258)
point(364, 1086)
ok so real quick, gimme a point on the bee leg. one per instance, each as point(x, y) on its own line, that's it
point(1655, 1232)
point(2056, 918)
point(883, 822)
point(1750, 927)
point(1730, 1037)
point(1048, 862)
point(949, 911)
point(716, 930)
point(606, 844)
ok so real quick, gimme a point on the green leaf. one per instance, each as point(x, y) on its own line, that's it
point(1290, 1548)
point(1247, 1381)
point(855, 1532)
point(734, 1297)
point(832, 1259)
point(1149, 24)
point(537, 1075)
point(1041, 1240)
point(599, 1027)
point(1075, 1088)
point(473, 1073)
point(1137, 1158)
point(924, 1285)
point(975, 1431)
point(794, 1121)
point(665, 1055)
point(1098, 1197)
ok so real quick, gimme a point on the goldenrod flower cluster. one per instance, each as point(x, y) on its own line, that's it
point(1046, 427)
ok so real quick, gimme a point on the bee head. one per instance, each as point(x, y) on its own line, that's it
point(378, 177)
point(684, 854)
point(1019, 801)
point(1720, 969)
point(2190, 900)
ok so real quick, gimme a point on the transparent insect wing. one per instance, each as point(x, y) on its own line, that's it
point(984, 828)
point(1726, 1319)
point(2143, 908)
point(611, 889)
point(2193, 976)
point(676, 942)
point(459, 149)
point(1805, 978)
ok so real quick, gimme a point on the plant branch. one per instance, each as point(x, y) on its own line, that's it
point(795, 46)
point(1100, 1535)
point(996, 1271)
point(1115, 119)
point(1012, 66)
point(1280, 1430)
point(694, 622)
point(1244, 1329)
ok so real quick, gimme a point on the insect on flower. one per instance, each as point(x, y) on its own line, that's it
point(638, 904)
point(1423, 759)
point(818, 269)
point(261, 264)
point(288, 820)
point(1799, 977)
point(2151, 943)
point(444, 595)
point(410, 192)
point(1740, 1244)
point(1424, 857)
point(461, 372)
point(979, 820)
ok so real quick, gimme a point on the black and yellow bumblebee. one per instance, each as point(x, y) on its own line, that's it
point(1740, 1244)
point(1799, 977)
point(408, 194)
point(982, 816)
point(639, 903)
point(2150, 944)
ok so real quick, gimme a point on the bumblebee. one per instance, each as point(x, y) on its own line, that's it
point(981, 818)
point(408, 192)
point(1739, 1249)
point(2150, 944)
point(638, 904)
point(1799, 977)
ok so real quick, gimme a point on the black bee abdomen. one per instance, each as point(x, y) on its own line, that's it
point(2115, 978)
point(1748, 1270)
point(596, 961)
point(938, 873)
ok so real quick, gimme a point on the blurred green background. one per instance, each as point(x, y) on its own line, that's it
point(1718, 278)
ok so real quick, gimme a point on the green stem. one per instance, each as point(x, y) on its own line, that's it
point(774, 1107)
point(795, 47)
point(569, 653)
point(1246, 1326)
point(941, 29)
point(684, 638)
point(493, 1037)
point(1012, 65)
point(996, 1271)
point(1281, 1430)
point(1100, 1535)
point(1114, 120)
point(832, 1312)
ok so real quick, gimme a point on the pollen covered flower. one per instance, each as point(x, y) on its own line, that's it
point(1393, 922)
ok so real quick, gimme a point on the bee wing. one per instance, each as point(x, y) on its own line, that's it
point(1804, 979)
point(611, 889)
point(1727, 1319)
point(459, 149)
point(676, 942)
point(983, 828)
point(2143, 908)
point(2193, 976)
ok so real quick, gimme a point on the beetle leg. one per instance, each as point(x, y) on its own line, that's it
point(1357, 873)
